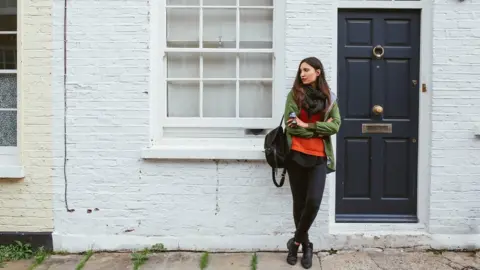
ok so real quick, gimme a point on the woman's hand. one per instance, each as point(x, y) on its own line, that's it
point(330, 120)
point(300, 123)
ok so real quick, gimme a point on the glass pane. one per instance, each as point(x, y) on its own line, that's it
point(8, 91)
point(255, 99)
point(256, 26)
point(183, 2)
point(219, 28)
point(256, 65)
point(183, 65)
point(8, 3)
point(8, 51)
point(256, 2)
point(183, 28)
point(219, 99)
point(183, 99)
point(219, 65)
point(219, 2)
point(8, 128)
point(8, 16)
point(12, 3)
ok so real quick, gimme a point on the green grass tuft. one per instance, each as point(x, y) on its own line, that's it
point(139, 258)
point(204, 260)
point(40, 256)
point(84, 260)
point(254, 262)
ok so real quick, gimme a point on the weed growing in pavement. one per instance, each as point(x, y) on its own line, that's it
point(204, 260)
point(84, 260)
point(22, 251)
point(254, 262)
point(139, 258)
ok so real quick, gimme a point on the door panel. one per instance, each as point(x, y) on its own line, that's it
point(358, 164)
point(358, 88)
point(395, 168)
point(397, 101)
point(377, 172)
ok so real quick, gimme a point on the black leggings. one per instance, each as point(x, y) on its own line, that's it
point(307, 185)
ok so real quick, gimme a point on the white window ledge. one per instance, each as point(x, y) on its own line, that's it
point(201, 148)
point(12, 172)
point(10, 164)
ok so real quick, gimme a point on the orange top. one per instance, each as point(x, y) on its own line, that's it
point(311, 146)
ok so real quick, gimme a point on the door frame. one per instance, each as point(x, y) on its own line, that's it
point(424, 130)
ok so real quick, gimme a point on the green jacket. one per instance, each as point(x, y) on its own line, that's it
point(318, 129)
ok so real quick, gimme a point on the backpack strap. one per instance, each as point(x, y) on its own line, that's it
point(274, 170)
point(282, 180)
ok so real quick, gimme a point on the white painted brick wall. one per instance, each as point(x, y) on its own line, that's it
point(197, 204)
point(108, 124)
point(26, 205)
point(455, 182)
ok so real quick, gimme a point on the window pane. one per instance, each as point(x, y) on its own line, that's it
point(256, 26)
point(219, 2)
point(219, 28)
point(256, 65)
point(219, 99)
point(8, 91)
point(183, 2)
point(183, 65)
point(256, 2)
point(183, 28)
point(256, 99)
point(219, 66)
point(12, 3)
point(8, 128)
point(8, 16)
point(8, 51)
point(8, 3)
point(183, 99)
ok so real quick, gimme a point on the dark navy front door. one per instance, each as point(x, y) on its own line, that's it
point(378, 77)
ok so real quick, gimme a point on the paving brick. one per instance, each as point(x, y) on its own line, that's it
point(104, 261)
point(233, 261)
point(278, 261)
point(18, 265)
point(60, 262)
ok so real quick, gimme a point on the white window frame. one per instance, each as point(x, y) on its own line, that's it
point(10, 156)
point(248, 148)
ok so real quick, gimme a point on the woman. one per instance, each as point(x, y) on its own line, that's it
point(311, 152)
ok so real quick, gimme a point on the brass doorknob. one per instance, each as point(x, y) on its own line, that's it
point(377, 109)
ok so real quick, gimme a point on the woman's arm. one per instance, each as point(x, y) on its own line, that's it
point(291, 106)
point(327, 128)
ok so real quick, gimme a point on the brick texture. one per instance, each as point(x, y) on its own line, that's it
point(26, 205)
point(455, 164)
point(108, 125)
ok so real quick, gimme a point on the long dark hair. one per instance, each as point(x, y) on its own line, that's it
point(320, 84)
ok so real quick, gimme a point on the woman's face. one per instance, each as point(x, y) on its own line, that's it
point(308, 74)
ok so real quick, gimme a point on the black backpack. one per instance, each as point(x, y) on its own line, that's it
point(276, 150)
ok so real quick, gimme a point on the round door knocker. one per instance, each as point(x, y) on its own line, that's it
point(378, 51)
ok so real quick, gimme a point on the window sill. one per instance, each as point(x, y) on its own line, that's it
point(12, 172)
point(232, 148)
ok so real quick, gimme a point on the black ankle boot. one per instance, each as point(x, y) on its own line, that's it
point(307, 250)
point(292, 252)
